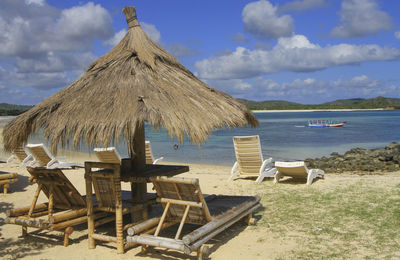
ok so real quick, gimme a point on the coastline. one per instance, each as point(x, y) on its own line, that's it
point(319, 110)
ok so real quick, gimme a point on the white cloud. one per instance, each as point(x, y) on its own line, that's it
point(151, 31)
point(360, 18)
point(35, 2)
point(113, 41)
point(261, 19)
point(295, 54)
point(239, 37)
point(42, 44)
point(397, 35)
point(302, 5)
point(307, 91)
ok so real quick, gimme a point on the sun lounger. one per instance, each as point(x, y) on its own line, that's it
point(111, 155)
point(296, 170)
point(149, 155)
point(43, 158)
point(6, 179)
point(184, 203)
point(66, 207)
point(22, 156)
point(106, 184)
point(250, 162)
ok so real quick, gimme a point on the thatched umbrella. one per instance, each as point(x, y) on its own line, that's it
point(137, 81)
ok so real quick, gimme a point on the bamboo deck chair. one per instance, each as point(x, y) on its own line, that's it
point(249, 159)
point(43, 158)
point(65, 208)
point(111, 155)
point(104, 179)
point(184, 203)
point(297, 170)
point(21, 155)
point(6, 179)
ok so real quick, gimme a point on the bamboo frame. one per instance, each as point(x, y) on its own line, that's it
point(187, 210)
point(63, 198)
point(106, 185)
point(6, 179)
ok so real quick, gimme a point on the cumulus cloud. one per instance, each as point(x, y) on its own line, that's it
point(42, 45)
point(151, 31)
point(113, 41)
point(295, 54)
point(360, 18)
point(302, 5)
point(262, 20)
point(308, 90)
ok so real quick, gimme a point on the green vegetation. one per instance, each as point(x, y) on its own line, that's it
point(356, 103)
point(357, 219)
point(12, 110)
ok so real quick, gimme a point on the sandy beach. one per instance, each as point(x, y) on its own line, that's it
point(239, 242)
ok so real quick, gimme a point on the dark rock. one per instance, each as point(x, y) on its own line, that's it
point(360, 160)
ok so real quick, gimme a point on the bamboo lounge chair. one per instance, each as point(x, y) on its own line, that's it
point(66, 207)
point(6, 179)
point(105, 179)
point(111, 155)
point(297, 170)
point(183, 203)
point(43, 158)
point(21, 155)
point(250, 162)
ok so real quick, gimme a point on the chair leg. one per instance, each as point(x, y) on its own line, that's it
point(310, 177)
point(277, 177)
point(24, 231)
point(119, 230)
point(67, 232)
point(234, 172)
point(5, 188)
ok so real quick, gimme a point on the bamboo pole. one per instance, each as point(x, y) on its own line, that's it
point(104, 238)
point(136, 229)
point(89, 201)
point(8, 176)
point(224, 218)
point(25, 210)
point(28, 223)
point(164, 242)
point(35, 198)
point(67, 215)
point(162, 219)
point(5, 188)
point(67, 232)
point(8, 181)
point(51, 201)
point(178, 233)
point(215, 231)
point(180, 202)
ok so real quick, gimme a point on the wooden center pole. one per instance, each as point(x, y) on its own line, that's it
point(137, 151)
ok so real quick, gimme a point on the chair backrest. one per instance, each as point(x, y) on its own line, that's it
point(65, 195)
point(20, 153)
point(248, 154)
point(294, 169)
point(149, 153)
point(40, 153)
point(107, 187)
point(108, 155)
point(187, 192)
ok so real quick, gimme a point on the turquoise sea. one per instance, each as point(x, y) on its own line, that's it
point(281, 139)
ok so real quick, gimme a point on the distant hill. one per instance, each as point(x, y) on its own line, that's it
point(12, 110)
point(354, 103)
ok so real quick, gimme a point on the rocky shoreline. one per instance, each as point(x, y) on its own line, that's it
point(385, 159)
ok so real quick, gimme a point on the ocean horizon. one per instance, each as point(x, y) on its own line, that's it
point(280, 135)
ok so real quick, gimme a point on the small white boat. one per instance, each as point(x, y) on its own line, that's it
point(321, 123)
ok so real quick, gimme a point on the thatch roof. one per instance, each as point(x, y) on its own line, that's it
point(136, 81)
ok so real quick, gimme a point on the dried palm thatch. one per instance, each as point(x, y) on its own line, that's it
point(136, 81)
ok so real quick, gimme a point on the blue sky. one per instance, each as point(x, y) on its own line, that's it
point(307, 51)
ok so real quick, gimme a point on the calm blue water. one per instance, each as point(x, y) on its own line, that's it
point(280, 138)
